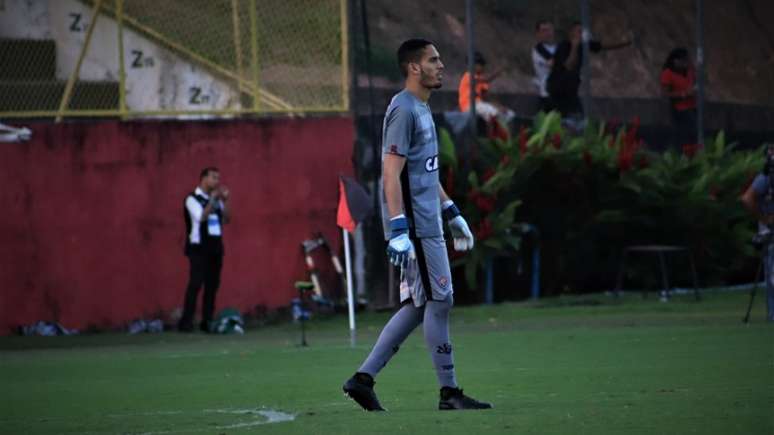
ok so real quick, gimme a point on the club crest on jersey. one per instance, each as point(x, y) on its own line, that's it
point(443, 281)
point(431, 164)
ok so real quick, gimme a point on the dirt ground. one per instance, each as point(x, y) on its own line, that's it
point(739, 41)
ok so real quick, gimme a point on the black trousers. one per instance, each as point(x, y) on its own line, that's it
point(567, 105)
point(546, 104)
point(683, 128)
point(205, 270)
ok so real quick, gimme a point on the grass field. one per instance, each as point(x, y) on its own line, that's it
point(571, 365)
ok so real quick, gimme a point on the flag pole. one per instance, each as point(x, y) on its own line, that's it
point(350, 295)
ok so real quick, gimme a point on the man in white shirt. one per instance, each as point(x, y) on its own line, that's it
point(205, 212)
point(543, 59)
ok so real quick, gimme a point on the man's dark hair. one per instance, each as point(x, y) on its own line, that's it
point(479, 58)
point(675, 54)
point(540, 22)
point(206, 171)
point(411, 51)
point(573, 24)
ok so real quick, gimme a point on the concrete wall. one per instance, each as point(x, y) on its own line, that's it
point(156, 78)
point(93, 228)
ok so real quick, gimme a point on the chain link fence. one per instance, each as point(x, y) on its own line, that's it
point(140, 58)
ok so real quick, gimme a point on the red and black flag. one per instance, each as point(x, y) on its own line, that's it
point(355, 204)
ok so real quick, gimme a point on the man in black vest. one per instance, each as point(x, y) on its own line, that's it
point(205, 212)
point(564, 81)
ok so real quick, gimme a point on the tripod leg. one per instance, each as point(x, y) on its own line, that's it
point(665, 294)
point(754, 290)
point(621, 271)
point(303, 332)
point(695, 278)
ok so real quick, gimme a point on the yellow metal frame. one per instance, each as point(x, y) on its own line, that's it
point(344, 55)
point(264, 102)
point(74, 76)
point(254, 50)
point(121, 66)
point(237, 43)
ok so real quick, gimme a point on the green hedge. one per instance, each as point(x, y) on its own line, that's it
point(591, 194)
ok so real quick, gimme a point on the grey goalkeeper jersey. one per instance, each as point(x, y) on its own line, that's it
point(409, 131)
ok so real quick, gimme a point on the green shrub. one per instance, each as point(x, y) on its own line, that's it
point(594, 193)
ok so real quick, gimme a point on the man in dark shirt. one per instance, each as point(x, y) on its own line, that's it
point(564, 81)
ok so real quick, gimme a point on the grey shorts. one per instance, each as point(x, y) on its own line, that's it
point(430, 269)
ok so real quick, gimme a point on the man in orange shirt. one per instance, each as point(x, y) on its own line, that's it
point(485, 108)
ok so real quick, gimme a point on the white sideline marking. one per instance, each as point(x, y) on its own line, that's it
point(145, 414)
point(194, 354)
point(270, 415)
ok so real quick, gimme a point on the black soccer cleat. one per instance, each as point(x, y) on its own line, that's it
point(453, 399)
point(360, 388)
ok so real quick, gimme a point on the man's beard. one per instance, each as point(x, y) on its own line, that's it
point(426, 81)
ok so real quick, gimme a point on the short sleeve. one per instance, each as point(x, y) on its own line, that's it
point(666, 78)
point(760, 184)
point(398, 126)
point(537, 61)
point(463, 92)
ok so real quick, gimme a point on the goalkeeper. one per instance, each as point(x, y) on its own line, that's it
point(413, 205)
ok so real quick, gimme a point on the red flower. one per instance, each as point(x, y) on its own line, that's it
point(489, 173)
point(690, 150)
point(625, 160)
point(450, 179)
point(556, 141)
point(483, 202)
point(523, 139)
point(612, 126)
point(484, 230)
point(627, 152)
point(505, 160)
point(636, 122)
point(497, 131)
point(630, 138)
point(587, 158)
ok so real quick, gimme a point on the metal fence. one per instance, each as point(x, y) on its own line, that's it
point(182, 58)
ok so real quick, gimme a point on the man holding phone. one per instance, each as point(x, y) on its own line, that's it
point(205, 211)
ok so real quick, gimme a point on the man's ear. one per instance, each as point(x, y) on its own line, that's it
point(414, 68)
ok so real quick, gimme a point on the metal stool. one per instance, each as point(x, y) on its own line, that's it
point(660, 250)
